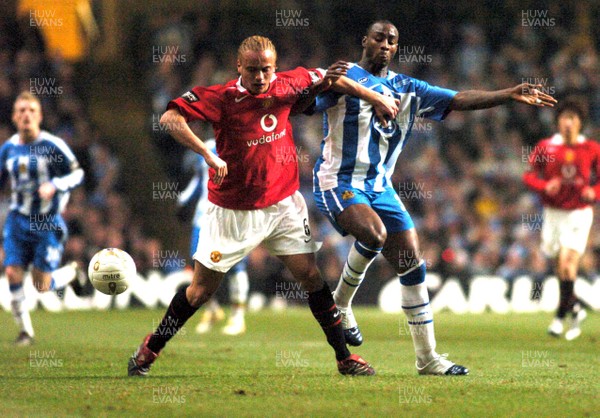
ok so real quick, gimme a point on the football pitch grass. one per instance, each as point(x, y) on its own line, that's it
point(282, 367)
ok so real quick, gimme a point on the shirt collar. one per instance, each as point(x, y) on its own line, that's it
point(557, 139)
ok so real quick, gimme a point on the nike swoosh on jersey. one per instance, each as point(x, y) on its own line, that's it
point(239, 99)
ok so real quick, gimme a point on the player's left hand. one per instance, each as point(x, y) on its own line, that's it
point(47, 190)
point(588, 194)
point(385, 108)
point(218, 165)
point(530, 94)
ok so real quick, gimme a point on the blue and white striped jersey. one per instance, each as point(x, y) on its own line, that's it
point(48, 158)
point(198, 185)
point(357, 150)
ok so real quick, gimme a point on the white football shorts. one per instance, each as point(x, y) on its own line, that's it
point(566, 228)
point(228, 235)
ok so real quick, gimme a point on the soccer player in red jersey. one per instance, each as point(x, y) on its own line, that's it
point(561, 172)
point(253, 191)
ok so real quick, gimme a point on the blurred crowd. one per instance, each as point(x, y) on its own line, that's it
point(459, 179)
point(98, 214)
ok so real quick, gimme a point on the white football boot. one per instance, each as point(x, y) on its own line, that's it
point(236, 325)
point(556, 328)
point(575, 330)
point(441, 366)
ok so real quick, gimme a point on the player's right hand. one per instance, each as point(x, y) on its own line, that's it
point(386, 108)
point(552, 187)
point(588, 195)
point(218, 165)
point(532, 94)
point(47, 190)
point(335, 71)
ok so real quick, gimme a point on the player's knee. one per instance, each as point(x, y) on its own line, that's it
point(375, 237)
point(41, 286)
point(312, 281)
point(571, 272)
point(42, 281)
point(198, 296)
point(567, 270)
point(14, 274)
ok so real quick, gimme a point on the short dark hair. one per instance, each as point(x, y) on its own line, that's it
point(374, 22)
point(572, 104)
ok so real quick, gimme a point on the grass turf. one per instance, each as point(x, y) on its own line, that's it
point(283, 367)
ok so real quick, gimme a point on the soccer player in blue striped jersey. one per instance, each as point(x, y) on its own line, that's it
point(238, 276)
point(352, 184)
point(42, 170)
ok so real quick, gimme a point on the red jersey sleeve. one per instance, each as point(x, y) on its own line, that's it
point(200, 103)
point(301, 78)
point(596, 168)
point(316, 75)
point(533, 177)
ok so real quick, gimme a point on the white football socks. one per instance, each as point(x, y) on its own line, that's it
point(359, 260)
point(20, 313)
point(416, 306)
point(238, 292)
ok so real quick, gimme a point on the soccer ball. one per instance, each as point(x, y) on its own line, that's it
point(110, 270)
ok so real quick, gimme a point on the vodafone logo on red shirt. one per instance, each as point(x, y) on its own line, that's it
point(268, 123)
point(273, 121)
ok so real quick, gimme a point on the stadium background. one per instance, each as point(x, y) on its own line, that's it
point(105, 71)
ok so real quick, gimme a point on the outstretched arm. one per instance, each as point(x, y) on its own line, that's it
point(479, 99)
point(175, 124)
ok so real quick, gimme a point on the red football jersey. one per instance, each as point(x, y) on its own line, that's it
point(573, 164)
point(253, 136)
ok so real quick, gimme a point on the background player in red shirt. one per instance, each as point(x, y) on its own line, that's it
point(561, 173)
point(253, 193)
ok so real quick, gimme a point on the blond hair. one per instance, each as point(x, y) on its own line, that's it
point(25, 95)
point(256, 43)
